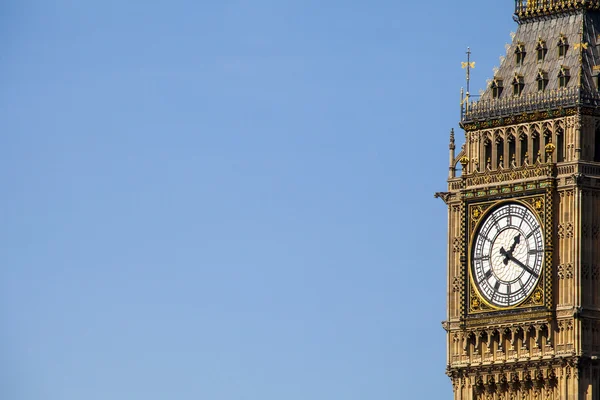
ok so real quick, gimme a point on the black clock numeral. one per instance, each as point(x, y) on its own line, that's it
point(495, 221)
point(483, 237)
point(532, 232)
point(509, 217)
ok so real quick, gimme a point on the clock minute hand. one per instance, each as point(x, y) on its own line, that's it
point(525, 267)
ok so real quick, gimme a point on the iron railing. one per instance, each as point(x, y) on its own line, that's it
point(542, 101)
point(524, 8)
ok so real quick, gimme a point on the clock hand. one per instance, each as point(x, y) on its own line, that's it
point(525, 267)
point(515, 243)
point(508, 254)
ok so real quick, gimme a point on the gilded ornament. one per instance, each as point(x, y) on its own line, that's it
point(538, 296)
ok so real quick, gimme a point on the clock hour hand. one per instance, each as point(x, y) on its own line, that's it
point(508, 254)
point(515, 243)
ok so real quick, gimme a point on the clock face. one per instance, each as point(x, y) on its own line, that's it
point(508, 254)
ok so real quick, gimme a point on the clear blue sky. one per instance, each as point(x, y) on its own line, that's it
point(229, 200)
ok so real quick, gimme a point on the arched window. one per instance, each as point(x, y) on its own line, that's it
point(542, 80)
point(500, 162)
point(524, 156)
point(535, 151)
point(560, 145)
point(520, 54)
point(564, 75)
point(487, 153)
point(518, 83)
point(541, 50)
point(497, 86)
point(512, 149)
point(563, 45)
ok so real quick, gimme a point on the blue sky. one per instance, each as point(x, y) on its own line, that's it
point(229, 200)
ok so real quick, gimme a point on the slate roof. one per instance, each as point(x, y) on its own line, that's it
point(580, 30)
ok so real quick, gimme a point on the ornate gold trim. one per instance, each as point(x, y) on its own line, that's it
point(540, 296)
point(521, 118)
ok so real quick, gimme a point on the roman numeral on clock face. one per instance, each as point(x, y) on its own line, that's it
point(533, 231)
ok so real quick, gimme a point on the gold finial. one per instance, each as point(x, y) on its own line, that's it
point(464, 161)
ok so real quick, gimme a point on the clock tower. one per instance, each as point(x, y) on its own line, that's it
point(523, 200)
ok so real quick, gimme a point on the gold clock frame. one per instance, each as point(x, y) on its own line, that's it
point(540, 204)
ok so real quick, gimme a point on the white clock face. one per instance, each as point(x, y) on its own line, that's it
point(508, 254)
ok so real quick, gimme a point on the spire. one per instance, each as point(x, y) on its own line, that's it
point(452, 147)
point(551, 63)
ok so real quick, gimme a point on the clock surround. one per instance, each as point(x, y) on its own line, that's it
point(538, 201)
point(507, 254)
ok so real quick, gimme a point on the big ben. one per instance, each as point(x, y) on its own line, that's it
point(523, 314)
